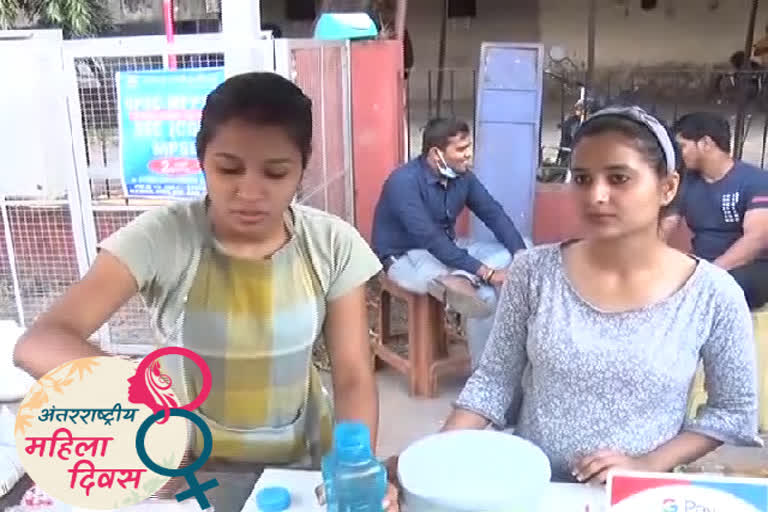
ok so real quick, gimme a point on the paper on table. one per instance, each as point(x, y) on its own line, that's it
point(301, 485)
point(156, 506)
point(573, 497)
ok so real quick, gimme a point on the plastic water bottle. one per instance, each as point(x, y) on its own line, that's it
point(355, 481)
point(328, 469)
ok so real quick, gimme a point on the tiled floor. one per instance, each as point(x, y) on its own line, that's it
point(404, 419)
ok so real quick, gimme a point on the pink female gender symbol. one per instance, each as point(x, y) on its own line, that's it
point(150, 387)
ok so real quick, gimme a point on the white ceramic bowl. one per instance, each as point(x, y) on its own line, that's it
point(473, 470)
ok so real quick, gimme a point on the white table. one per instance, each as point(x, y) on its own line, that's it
point(301, 485)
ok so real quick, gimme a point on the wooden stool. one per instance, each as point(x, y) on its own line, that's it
point(698, 395)
point(428, 356)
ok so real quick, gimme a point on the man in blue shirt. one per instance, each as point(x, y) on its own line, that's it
point(414, 231)
point(725, 204)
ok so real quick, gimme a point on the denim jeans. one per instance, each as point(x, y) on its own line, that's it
point(415, 269)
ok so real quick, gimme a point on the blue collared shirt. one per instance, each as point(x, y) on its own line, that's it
point(417, 210)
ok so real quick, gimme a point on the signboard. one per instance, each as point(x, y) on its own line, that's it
point(685, 492)
point(159, 115)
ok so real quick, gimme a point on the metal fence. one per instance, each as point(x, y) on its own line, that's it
point(672, 93)
point(46, 245)
point(668, 93)
point(38, 259)
point(97, 91)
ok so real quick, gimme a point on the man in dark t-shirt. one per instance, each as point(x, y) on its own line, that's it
point(724, 203)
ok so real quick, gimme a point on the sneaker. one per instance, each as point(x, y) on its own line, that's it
point(458, 296)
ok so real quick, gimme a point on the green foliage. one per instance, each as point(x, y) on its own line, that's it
point(76, 18)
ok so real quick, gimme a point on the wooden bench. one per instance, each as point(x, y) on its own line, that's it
point(428, 355)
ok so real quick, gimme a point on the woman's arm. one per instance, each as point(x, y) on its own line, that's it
point(495, 385)
point(682, 449)
point(728, 356)
point(61, 333)
point(464, 420)
point(354, 384)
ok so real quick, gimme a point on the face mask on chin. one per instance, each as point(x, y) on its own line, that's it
point(443, 168)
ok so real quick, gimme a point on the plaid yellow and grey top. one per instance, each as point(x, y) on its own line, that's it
point(254, 322)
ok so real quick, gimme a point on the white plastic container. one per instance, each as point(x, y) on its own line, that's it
point(473, 471)
point(11, 469)
point(14, 382)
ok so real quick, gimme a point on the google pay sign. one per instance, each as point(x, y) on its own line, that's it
point(681, 492)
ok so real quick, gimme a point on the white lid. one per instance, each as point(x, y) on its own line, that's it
point(474, 470)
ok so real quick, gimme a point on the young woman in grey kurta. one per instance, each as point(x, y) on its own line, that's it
point(591, 380)
point(596, 341)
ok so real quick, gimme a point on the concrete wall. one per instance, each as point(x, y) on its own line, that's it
point(497, 20)
point(677, 34)
point(677, 31)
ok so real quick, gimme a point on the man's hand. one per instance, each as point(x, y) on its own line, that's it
point(498, 277)
point(391, 501)
point(594, 468)
point(393, 491)
point(391, 465)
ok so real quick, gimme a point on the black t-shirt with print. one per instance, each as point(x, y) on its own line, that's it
point(715, 211)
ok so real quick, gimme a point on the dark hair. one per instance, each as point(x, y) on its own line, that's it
point(644, 139)
point(438, 133)
point(262, 99)
point(698, 125)
point(642, 136)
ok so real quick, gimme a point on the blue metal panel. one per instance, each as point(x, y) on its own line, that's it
point(501, 106)
point(507, 130)
point(510, 67)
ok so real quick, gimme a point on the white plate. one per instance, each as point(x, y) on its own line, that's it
point(468, 470)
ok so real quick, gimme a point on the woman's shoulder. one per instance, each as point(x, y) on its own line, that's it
point(336, 249)
point(716, 285)
point(539, 258)
point(169, 218)
point(715, 296)
point(160, 230)
point(186, 213)
point(321, 227)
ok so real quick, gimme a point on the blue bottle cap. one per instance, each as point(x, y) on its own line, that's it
point(352, 442)
point(273, 499)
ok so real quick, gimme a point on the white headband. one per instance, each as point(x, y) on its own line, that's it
point(639, 115)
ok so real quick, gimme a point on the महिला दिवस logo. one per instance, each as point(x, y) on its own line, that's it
point(83, 432)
